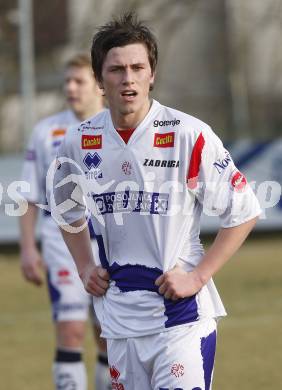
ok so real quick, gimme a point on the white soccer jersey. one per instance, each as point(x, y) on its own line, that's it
point(148, 196)
point(42, 150)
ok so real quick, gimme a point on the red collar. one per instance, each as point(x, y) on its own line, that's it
point(125, 134)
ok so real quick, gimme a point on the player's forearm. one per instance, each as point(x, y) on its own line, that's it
point(226, 243)
point(27, 227)
point(79, 245)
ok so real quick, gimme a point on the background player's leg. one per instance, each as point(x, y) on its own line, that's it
point(70, 304)
point(102, 378)
point(68, 368)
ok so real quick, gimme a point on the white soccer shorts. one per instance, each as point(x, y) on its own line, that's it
point(69, 300)
point(178, 359)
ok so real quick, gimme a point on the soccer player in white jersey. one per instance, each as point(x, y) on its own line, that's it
point(70, 302)
point(147, 172)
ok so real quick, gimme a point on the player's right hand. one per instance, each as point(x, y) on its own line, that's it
point(95, 280)
point(31, 265)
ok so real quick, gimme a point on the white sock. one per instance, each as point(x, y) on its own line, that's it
point(102, 373)
point(69, 371)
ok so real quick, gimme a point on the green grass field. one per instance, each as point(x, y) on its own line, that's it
point(249, 345)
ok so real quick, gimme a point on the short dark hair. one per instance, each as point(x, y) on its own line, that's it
point(119, 32)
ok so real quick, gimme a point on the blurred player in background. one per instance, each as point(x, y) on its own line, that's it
point(161, 167)
point(70, 302)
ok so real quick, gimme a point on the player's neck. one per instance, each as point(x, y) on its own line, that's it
point(90, 111)
point(130, 120)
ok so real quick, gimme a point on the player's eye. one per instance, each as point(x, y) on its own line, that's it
point(138, 67)
point(116, 69)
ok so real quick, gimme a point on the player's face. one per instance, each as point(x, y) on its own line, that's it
point(126, 80)
point(80, 89)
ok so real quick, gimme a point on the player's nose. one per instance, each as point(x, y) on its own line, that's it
point(128, 77)
point(70, 86)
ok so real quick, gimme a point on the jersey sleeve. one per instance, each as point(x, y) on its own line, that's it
point(32, 171)
point(65, 187)
point(218, 185)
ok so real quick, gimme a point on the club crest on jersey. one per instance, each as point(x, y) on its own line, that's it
point(165, 140)
point(177, 370)
point(126, 168)
point(92, 160)
point(91, 141)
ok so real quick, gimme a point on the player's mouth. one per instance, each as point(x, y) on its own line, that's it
point(129, 95)
point(72, 99)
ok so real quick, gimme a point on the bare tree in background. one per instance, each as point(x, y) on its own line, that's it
point(254, 35)
point(238, 45)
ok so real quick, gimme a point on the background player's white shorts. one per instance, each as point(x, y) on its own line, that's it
point(70, 301)
point(179, 359)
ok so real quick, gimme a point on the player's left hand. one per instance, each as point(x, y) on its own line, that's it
point(95, 279)
point(177, 283)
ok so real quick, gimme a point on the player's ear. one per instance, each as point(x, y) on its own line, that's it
point(100, 84)
point(152, 81)
point(101, 87)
